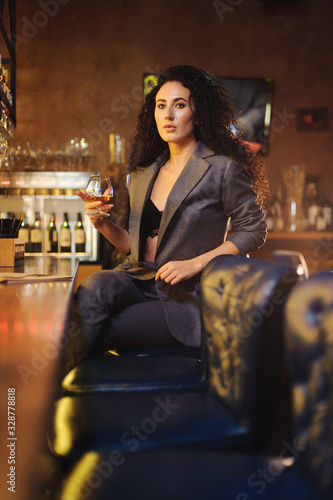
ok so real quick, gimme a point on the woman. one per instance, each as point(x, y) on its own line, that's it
point(188, 176)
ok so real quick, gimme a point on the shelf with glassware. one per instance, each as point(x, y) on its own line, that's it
point(300, 218)
point(8, 70)
point(7, 117)
point(53, 217)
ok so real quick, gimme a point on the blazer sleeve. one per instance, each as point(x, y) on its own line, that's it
point(240, 204)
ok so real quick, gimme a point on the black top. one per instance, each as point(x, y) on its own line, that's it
point(150, 221)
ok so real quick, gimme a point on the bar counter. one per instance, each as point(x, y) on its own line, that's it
point(32, 323)
point(316, 247)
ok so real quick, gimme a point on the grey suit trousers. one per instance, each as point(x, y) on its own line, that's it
point(114, 311)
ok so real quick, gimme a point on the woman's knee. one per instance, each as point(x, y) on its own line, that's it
point(94, 289)
point(105, 288)
point(96, 280)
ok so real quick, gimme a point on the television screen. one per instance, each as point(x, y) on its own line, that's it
point(252, 97)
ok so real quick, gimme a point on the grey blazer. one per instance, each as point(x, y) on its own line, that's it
point(210, 190)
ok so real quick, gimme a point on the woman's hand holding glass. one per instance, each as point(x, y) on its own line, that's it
point(98, 198)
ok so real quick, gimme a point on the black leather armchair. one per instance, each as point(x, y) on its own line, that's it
point(302, 468)
point(242, 304)
point(309, 334)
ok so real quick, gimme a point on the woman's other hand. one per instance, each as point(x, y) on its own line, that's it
point(174, 272)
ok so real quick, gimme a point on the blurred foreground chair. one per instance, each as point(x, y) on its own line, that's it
point(242, 309)
point(301, 470)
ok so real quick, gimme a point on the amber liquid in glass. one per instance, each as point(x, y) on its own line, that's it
point(106, 200)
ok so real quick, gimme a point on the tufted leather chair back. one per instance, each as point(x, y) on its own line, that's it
point(309, 337)
point(242, 310)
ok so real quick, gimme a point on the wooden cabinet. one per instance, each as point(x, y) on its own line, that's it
point(316, 247)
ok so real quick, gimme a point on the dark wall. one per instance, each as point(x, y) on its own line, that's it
point(80, 65)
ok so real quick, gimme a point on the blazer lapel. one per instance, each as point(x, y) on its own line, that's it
point(193, 171)
point(139, 198)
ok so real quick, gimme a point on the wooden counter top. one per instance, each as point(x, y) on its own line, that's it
point(300, 235)
point(32, 322)
point(316, 246)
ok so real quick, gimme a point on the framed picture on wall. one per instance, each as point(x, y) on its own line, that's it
point(312, 119)
point(252, 97)
point(312, 187)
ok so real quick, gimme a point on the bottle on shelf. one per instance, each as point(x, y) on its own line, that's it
point(321, 221)
point(314, 210)
point(327, 211)
point(294, 181)
point(65, 235)
point(279, 209)
point(79, 235)
point(36, 235)
point(24, 232)
point(269, 218)
point(52, 236)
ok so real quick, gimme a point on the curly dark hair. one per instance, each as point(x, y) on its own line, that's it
point(215, 115)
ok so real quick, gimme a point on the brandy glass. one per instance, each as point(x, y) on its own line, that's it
point(99, 188)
